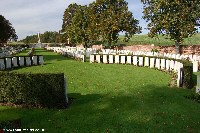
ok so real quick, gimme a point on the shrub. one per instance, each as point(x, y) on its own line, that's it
point(187, 75)
point(39, 90)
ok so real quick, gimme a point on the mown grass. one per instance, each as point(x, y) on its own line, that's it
point(161, 40)
point(110, 98)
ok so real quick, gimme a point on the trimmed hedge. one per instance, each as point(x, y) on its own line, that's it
point(38, 90)
point(187, 75)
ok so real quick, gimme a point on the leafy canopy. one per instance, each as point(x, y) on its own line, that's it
point(178, 19)
point(7, 32)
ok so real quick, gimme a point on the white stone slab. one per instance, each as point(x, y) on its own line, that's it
point(41, 60)
point(82, 58)
point(180, 75)
point(146, 61)
point(21, 61)
point(111, 59)
point(105, 58)
point(91, 58)
point(28, 61)
point(135, 60)
point(172, 65)
point(8, 63)
point(163, 64)
point(195, 66)
point(123, 59)
point(141, 61)
point(176, 66)
point(117, 59)
point(2, 64)
point(35, 60)
point(129, 60)
point(14, 62)
point(98, 58)
point(167, 65)
point(198, 84)
point(152, 62)
point(157, 65)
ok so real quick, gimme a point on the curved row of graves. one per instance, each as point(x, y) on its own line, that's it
point(20, 61)
point(165, 64)
point(74, 52)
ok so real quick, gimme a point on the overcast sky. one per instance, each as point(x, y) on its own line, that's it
point(31, 16)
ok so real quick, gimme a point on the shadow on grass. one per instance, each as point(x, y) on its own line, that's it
point(148, 109)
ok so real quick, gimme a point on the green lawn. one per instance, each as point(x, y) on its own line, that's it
point(111, 98)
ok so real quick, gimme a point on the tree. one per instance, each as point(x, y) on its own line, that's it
point(177, 19)
point(7, 32)
point(112, 17)
point(68, 24)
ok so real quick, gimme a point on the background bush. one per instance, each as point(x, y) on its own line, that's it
point(40, 90)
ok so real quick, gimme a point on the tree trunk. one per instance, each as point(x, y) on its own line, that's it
point(177, 44)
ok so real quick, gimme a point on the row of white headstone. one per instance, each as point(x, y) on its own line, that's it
point(15, 62)
point(151, 62)
point(74, 52)
point(12, 51)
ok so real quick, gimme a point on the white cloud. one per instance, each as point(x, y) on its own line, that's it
point(31, 16)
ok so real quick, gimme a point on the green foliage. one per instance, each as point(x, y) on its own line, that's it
point(176, 19)
point(6, 31)
point(111, 98)
point(101, 21)
point(40, 90)
point(187, 75)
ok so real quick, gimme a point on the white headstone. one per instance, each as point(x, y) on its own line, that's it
point(2, 64)
point(105, 58)
point(21, 61)
point(8, 63)
point(167, 64)
point(14, 62)
point(198, 84)
point(116, 58)
point(163, 64)
point(98, 58)
point(123, 60)
point(135, 60)
point(152, 62)
point(157, 63)
point(172, 65)
point(28, 61)
point(146, 61)
point(34, 58)
point(111, 59)
point(129, 59)
point(91, 58)
point(141, 61)
point(195, 66)
point(180, 75)
point(41, 60)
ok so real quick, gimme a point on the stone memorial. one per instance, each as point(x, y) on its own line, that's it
point(157, 65)
point(167, 64)
point(35, 60)
point(129, 59)
point(2, 64)
point(91, 58)
point(98, 58)
point(8, 63)
point(152, 62)
point(28, 61)
point(163, 64)
point(135, 60)
point(146, 61)
point(111, 59)
point(195, 66)
point(141, 61)
point(14, 62)
point(105, 58)
point(123, 59)
point(117, 59)
point(21, 61)
point(41, 60)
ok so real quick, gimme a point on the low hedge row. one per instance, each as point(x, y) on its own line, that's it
point(38, 90)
